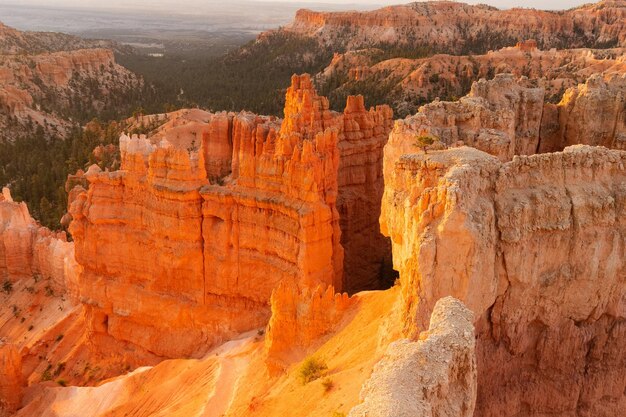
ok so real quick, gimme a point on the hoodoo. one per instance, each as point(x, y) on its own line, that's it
point(215, 251)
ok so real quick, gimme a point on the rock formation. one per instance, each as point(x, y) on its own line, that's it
point(361, 186)
point(407, 83)
point(434, 376)
point(194, 129)
point(37, 80)
point(27, 249)
point(533, 247)
point(174, 264)
point(457, 27)
point(300, 318)
point(501, 117)
point(10, 379)
point(593, 113)
point(506, 117)
point(283, 190)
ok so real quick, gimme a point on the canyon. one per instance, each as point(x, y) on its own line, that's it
point(457, 218)
point(460, 28)
point(466, 260)
point(44, 77)
point(406, 83)
point(288, 208)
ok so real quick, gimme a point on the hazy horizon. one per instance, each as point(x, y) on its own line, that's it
point(119, 18)
point(207, 5)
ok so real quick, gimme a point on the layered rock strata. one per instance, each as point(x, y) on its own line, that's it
point(10, 379)
point(179, 253)
point(501, 117)
point(534, 247)
point(27, 249)
point(300, 319)
point(593, 113)
point(433, 376)
point(456, 27)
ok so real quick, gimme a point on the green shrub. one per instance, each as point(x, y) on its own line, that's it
point(424, 141)
point(312, 369)
point(7, 287)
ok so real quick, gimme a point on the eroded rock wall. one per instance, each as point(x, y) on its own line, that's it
point(367, 262)
point(535, 248)
point(276, 217)
point(593, 113)
point(11, 381)
point(27, 249)
point(138, 234)
point(301, 316)
point(179, 254)
point(457, 27)
point(433, 376)
point(501, 117)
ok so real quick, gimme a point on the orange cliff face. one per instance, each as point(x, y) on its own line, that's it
point(501, 117)
point(591, 113)
point(27, 249)
point(174, 264)
point(367, 252)
point(11, 381)
point(532, 247)
point(451, 25)
point(301, 317)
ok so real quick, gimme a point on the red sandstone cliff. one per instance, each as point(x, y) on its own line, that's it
point(37, 80)
point(27, 249)
point(455, 27)
point(409, 83)
point(11, 384)
point(174, 264)
point(532, 246)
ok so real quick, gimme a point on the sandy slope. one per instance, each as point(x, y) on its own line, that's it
point(233, 380)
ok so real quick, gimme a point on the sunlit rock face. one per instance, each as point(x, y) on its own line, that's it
point(28, 249)
point(276, 217)
point(501, 117)
point(593, 113)
point(454, 27)
point(10, 379)
point(180, 253)
point(301, 316)
point(433, 376)
point(534, 247)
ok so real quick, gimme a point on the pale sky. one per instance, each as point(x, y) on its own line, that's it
point(176, 4)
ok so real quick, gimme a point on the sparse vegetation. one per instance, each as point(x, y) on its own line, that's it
point(47, 375)
point(424, 141)
point(62, 382)
point(7, 287)
point(328, 384)
point(49, 291)
point(312, 369)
